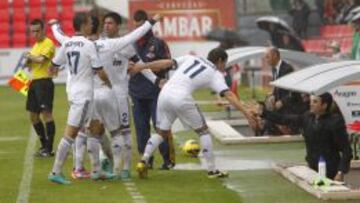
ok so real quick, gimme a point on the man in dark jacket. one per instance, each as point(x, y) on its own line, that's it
point(300, 12)
point(144, 94)
point(282, 101)
point(324, 133)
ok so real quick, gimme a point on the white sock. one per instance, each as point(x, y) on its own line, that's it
point(127, 155)
point(74, 154)
point(80, 146)
point(61, 154)
point(93, 146)
point(106, 147)
point(207, 151)
point(116, 145)
point(153, 143)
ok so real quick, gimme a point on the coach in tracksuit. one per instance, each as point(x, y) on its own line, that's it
point(144, 94)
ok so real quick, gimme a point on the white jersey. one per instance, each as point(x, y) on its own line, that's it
point(115, 54)
point(81, 58)
point(115, 62)
point(193, 73)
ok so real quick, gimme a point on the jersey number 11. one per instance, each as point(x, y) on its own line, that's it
point(198, 70)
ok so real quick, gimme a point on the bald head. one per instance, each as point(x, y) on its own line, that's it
point(272, 56)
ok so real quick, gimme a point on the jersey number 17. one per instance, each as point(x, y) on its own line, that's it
point(73, 58)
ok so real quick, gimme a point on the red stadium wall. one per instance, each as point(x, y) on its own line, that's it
point(16, 16)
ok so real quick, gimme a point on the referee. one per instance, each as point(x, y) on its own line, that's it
point(41, 91)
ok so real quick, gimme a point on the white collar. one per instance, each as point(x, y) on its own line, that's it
point(277, 67)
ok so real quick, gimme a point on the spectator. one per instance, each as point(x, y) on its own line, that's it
point(300, 11)
point(290, 42)
point(144, 94)
point(275, 35)
point(324, 133)
point(329, 12)
point(320, 9)
point(280, 100)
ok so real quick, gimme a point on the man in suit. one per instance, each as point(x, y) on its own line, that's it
point(281, 100)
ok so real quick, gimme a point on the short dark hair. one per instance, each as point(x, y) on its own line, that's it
point(95, 24)
point(38, 22)
point(327, 99)
point(275, 51)
point(115, 16)
point(140, 15)
point(79, 20)
point(216, 54)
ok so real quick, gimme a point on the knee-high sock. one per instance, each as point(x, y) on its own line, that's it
point(80, 147)
point(50, 133)
point(153, 143)
point(207, 151)
point(106, 147)
point(61, 154)
point(93, 146)
point(40, 131)
point(126, 136)
point(116, 145)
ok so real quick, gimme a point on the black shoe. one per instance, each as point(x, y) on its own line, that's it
point(217, 174)
point(44, 154)
point(167, 166)
point(52, 154)
point(39, 152)
point(149, 166)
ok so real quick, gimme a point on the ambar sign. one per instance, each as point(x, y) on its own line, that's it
point(186, 20)
point(177, 26)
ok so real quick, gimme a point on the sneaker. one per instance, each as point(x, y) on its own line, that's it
point(60, 179)
point(125, 175)
point(218, 174)
point(142, 169)
point(167, 166)
point(39, 152)
point(106, 165)
point(43, 154)
point(80, 174)
point(103, 176)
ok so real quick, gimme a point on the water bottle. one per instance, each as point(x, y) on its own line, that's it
point(322, 167)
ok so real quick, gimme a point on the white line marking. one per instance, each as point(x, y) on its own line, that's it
point(134, 192)
point(12, 138)
point(25, 185)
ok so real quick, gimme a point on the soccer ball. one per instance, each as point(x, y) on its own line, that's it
point(191, 148)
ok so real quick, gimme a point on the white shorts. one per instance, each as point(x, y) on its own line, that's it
point(106, 109)
point(123, 106)
point(170, 107)
point(80, 113)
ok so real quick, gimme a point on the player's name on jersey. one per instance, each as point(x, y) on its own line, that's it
point(74, 44)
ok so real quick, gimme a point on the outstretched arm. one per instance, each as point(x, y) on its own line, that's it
point(239, 105)
point(58, 33)
point(148, 74)
point(154, 66)
point(132, 37)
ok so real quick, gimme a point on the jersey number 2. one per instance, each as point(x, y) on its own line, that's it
point(197, 71)
point(73, 58)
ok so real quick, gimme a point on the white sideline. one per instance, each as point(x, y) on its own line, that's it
point(25, 184)
point(134, 192)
